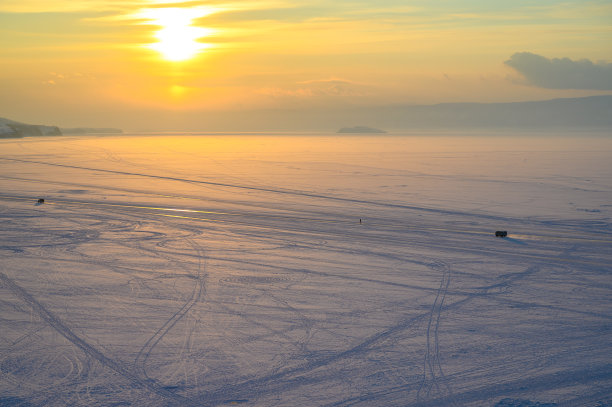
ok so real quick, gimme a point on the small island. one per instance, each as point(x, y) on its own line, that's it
point(361, 130)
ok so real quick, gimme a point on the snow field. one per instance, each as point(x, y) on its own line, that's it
point(233, 270)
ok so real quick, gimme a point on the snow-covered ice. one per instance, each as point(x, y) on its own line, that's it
point(203, 270)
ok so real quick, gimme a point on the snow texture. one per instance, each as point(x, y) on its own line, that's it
point(306, 270)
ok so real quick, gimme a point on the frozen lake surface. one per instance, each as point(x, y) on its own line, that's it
point(306, 270)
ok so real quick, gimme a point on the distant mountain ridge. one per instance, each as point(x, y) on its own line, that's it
point(570, 112)
point(361, 130)
point(91, 130)
point(13, 129)
point(592, 111)
point(567, 114)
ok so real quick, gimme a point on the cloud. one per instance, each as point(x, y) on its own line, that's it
point(333, 87)
point(319, 88)
point(64, 6)
point(562, 73)
point(127, 6)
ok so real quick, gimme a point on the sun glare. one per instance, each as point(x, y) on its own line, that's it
point(178, 39)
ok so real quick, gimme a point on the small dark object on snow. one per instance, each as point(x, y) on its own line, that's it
point(40, 201)
point(501, 233)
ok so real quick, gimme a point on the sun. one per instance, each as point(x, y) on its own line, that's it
point(177, 38)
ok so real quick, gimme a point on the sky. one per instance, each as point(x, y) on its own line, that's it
point(150, 64)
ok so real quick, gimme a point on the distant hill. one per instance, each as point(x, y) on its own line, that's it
point(587, 112)
point(361, 130)
point(91, 130)
point(594, 112)
point(13, 129)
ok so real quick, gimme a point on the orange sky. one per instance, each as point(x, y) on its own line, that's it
point(141, 64)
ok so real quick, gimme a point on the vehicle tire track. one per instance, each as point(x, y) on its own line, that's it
point(279, 191)
point(447, 275)
point(431, 361)
point(88, 349)
point(540, 383)
point(196, 294)
point(290, 378)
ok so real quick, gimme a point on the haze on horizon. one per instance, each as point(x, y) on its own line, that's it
point(153, 64)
